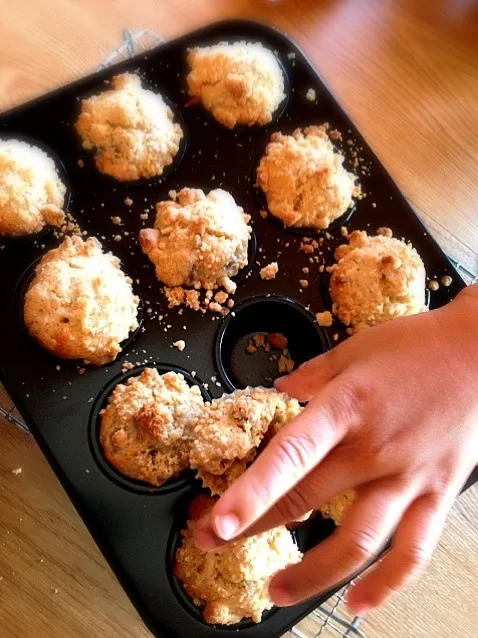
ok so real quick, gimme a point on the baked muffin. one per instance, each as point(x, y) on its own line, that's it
point(131, 128)
point(304, 180)
point(376, 279)
point(230, 429)
point(239, 83)
point(147, 425)
point(80, 304)
point(32, 194)
point(338, 506)
point(231, 583)
point(198, 240)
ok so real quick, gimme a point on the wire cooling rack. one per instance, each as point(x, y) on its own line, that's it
point(330, 619)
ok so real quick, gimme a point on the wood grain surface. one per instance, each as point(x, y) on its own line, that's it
point(407, 73)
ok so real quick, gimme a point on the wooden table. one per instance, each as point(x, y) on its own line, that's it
point(407, 73)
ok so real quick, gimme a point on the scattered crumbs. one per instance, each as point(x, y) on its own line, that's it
point(17, 470)
point(385, 231)
point(55, 591)
point(343, 231)
point(321, 268)
point(127, 365)
point(117, 237)
point(336, 336)
point(304, 283)
point(193, 373)
point(310, 95)
point(324, 319)
point(291, 55)
point(58, 367)
point(221, 297)
point(263, 214)
point(446, 281)
point(144, 216)
point(306, 248)
point(277, 340)
point(305, 270)
point(270, 271)
point(335, 135)
point(180, 345)
point(206, 385)
point(128, 201)
point(285, 363)
point(81, 163)
point(434, 285)
point(116, 220)
point(215, 307)
point(374, 205)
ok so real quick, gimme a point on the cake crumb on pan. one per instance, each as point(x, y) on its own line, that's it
point(270, 271)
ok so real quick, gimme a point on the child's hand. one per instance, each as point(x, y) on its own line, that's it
point(393, 412)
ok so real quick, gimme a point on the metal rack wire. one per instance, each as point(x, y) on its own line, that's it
point(329, 619)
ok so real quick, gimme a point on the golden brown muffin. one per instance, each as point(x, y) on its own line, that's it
point(231, 583)
point(229, 431)
point(198, 240)
point(376, 279)
point(32, 194)
point(239, 83)
point(338, 506)
point(147, 425)
point(304, 180)
point(80, 304)
point(131, 128)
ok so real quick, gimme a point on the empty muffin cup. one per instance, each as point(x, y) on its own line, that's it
point(101, 402)
point(264, 338)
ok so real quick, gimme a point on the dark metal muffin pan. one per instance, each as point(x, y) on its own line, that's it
point(133, 524)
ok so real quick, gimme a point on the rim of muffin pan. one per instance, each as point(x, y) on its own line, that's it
point(174, 542)
point(302, 231)
point(94, 428)
point(252, 245)
point(62, 174)
point(265, 314)
point(239, 128)
point(88, 155)
point(21, 289)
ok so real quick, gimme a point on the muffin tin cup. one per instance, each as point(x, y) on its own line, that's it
point(141, 487)
point(241, 129)
point(302, 231)
point(134, 523)
point(264, 315)
point(63, 175)
point(174, 543)
point(18, 308)
point(88, 155)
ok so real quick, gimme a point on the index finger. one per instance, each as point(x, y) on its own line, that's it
point(290, 456)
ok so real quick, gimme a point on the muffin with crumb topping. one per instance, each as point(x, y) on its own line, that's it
point(32, 194)
point(147, 426)
point(240, 83)
point(131, 129)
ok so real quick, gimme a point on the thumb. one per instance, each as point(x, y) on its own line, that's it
point(311, 377)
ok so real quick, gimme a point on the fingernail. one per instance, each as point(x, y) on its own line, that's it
point(280, 384)
point(226, 526)
point(279, 594)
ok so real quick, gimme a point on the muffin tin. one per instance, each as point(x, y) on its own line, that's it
point(135, 525)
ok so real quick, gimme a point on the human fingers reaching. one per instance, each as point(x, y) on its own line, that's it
point(396, 411)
